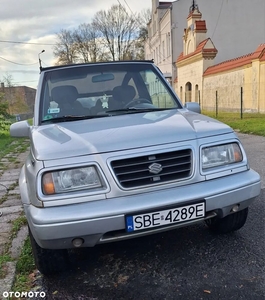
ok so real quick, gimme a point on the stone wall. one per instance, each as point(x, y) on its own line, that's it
point(234, 85)
point(244, 86)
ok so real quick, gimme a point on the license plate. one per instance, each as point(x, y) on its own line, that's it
point(165, 217)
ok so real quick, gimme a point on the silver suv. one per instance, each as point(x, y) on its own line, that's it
point(115, 155)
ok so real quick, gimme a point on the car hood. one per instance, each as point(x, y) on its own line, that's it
point(121, 132)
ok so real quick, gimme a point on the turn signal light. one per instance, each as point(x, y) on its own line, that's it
point(48, 186)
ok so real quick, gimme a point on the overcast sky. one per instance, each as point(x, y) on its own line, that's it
point(37, 22)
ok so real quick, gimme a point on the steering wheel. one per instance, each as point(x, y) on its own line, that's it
point(137, 101)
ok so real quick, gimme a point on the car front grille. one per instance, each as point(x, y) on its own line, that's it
point(153, 169)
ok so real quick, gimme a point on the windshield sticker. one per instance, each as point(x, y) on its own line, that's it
point(53, 110)
point(47, 117)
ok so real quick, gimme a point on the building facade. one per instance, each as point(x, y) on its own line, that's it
point(20, 99)
point(237, 84)
point(229, 23)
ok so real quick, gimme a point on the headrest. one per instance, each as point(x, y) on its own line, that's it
point(64, 93)
point(123, 93)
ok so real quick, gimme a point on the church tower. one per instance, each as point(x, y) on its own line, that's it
point(198, 54)
point(196, 30)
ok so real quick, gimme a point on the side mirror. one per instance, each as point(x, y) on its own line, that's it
point(20, 129)
point(193, 106)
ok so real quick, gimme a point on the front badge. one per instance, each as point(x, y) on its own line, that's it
point(155, 168)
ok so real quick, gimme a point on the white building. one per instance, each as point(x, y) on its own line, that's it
point(236, 27)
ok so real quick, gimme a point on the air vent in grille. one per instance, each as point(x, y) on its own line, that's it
point(153, 169)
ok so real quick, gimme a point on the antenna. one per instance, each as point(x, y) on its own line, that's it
point(40, 59)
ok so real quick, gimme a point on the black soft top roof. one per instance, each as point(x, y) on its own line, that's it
point(96, 63)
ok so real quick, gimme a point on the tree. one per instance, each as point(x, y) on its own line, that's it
point(112, 35)
point(80, 45)
point(8, 95)
point(144, 18)
point(3, 106)
point(11, 100)
point(118, 31)
point(87, 42)
point(8, 80)
point(65, 48)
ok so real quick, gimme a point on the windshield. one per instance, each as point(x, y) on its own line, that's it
point(93, 90)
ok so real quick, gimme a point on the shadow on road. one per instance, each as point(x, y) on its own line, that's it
point(187, 263)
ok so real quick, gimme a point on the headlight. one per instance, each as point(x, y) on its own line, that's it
point(70, 180)
point(221, 155)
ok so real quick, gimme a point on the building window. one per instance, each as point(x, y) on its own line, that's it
point(181, 93)
point(188, 90)
point(197, 98)
point(168, 44)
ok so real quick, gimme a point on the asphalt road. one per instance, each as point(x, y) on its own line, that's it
point(187, 263)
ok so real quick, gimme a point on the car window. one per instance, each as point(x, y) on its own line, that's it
point(95, 89)
point(157, 90)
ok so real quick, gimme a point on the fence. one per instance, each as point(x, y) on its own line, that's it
point(233, 99)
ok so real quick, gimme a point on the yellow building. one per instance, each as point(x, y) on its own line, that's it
point(232, 85)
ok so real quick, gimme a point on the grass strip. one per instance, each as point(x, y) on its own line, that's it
point(24, 269)
point(250, 123)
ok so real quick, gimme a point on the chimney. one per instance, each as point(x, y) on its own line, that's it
point(2, 86)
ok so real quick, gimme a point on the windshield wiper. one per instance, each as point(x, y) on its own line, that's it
point(137, 110)
point(108, 113)
point(68, 118)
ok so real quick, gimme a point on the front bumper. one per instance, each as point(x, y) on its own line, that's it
point(104, 220)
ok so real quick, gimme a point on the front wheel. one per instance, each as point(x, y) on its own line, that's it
point(49, 261)
point(229, 223)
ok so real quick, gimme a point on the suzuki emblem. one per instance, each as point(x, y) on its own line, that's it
point(155, 168)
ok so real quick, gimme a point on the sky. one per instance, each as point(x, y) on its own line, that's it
point(29, 26)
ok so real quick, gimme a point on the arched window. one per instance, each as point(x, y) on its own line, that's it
point(181, 93)
point(188, 90)
point(197, 93)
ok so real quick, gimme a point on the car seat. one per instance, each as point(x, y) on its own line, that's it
point(66, 97)
point(122, 95)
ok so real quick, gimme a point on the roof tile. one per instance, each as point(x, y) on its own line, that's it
point(237, 62)
point(199, 49)
point(200, 25)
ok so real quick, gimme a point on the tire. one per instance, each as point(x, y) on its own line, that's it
point(229, 223)
point(49, 261)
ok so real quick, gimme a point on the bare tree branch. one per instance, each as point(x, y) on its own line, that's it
point(65, 48)
point(112, 35)
point(118, 29)
point(87, 44)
